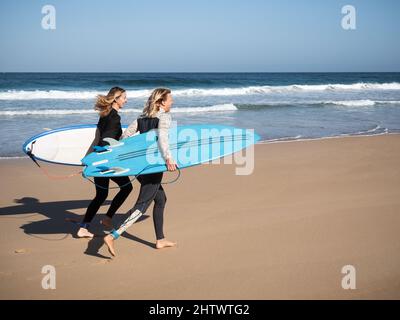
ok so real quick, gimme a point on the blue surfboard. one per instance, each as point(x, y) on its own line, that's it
point(189, 145)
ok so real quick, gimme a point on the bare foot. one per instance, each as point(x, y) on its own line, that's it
point(109, 241)
point(164, 243)
point(84, 233)
point(107, 222)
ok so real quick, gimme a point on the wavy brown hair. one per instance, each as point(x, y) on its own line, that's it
point(104, 103)
point(153, 103)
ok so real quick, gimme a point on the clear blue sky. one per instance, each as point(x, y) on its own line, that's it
point(203, 35)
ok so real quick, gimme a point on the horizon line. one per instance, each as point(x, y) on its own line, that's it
point(199, 71)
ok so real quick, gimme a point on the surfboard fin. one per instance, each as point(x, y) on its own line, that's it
point(99, 149)
point(119, 170)
point(115, 170)
point(112, 142)
point(102, 168)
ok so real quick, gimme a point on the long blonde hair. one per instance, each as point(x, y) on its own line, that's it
point(153, 103)
point(104, 103)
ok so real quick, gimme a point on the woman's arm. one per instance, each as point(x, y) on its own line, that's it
point(130, 131)
point(163, 141)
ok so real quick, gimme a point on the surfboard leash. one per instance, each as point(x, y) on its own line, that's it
point(133, 179)
point(48, 175)
point(58, 177)
point(61, 177)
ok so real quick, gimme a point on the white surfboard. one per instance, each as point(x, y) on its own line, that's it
point(67, 145)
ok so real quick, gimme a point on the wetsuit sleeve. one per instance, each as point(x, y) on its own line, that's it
point(131, 130)
point(163, 142)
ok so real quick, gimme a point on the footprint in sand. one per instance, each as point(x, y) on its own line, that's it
point(102, 262)
point(21, 251)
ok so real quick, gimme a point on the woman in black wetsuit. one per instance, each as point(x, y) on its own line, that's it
point(109, 126)
point(155, 116)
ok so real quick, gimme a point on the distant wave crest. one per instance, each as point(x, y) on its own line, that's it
point(252, 90)
point(214, 108)
point(360, 103)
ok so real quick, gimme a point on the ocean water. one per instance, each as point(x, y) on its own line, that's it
point(279, 106)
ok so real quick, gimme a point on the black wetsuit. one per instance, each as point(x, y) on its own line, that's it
point(109, 127)
point(150, 186)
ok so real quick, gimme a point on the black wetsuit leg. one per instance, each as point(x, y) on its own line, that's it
point(125, 189)
point(151, 189)
point(102, 193)
point(158, 212)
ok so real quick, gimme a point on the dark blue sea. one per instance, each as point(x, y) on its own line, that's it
point(279, 106)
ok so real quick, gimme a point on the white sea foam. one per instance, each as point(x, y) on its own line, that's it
point(352, 103)
point(14, 158)
point(360, 103)
point(280, 139)
point(53, 112)
point(252, 90)
point(367, 133)
point(214, 108)
point(347, 103)
point(61, 95)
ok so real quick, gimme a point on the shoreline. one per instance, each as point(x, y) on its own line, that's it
point(344, 135)
point(262, 142)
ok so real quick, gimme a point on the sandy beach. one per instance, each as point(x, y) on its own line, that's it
point(283, 232)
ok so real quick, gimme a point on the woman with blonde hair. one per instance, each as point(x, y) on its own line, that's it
point(109, 126)
point(155, 116)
